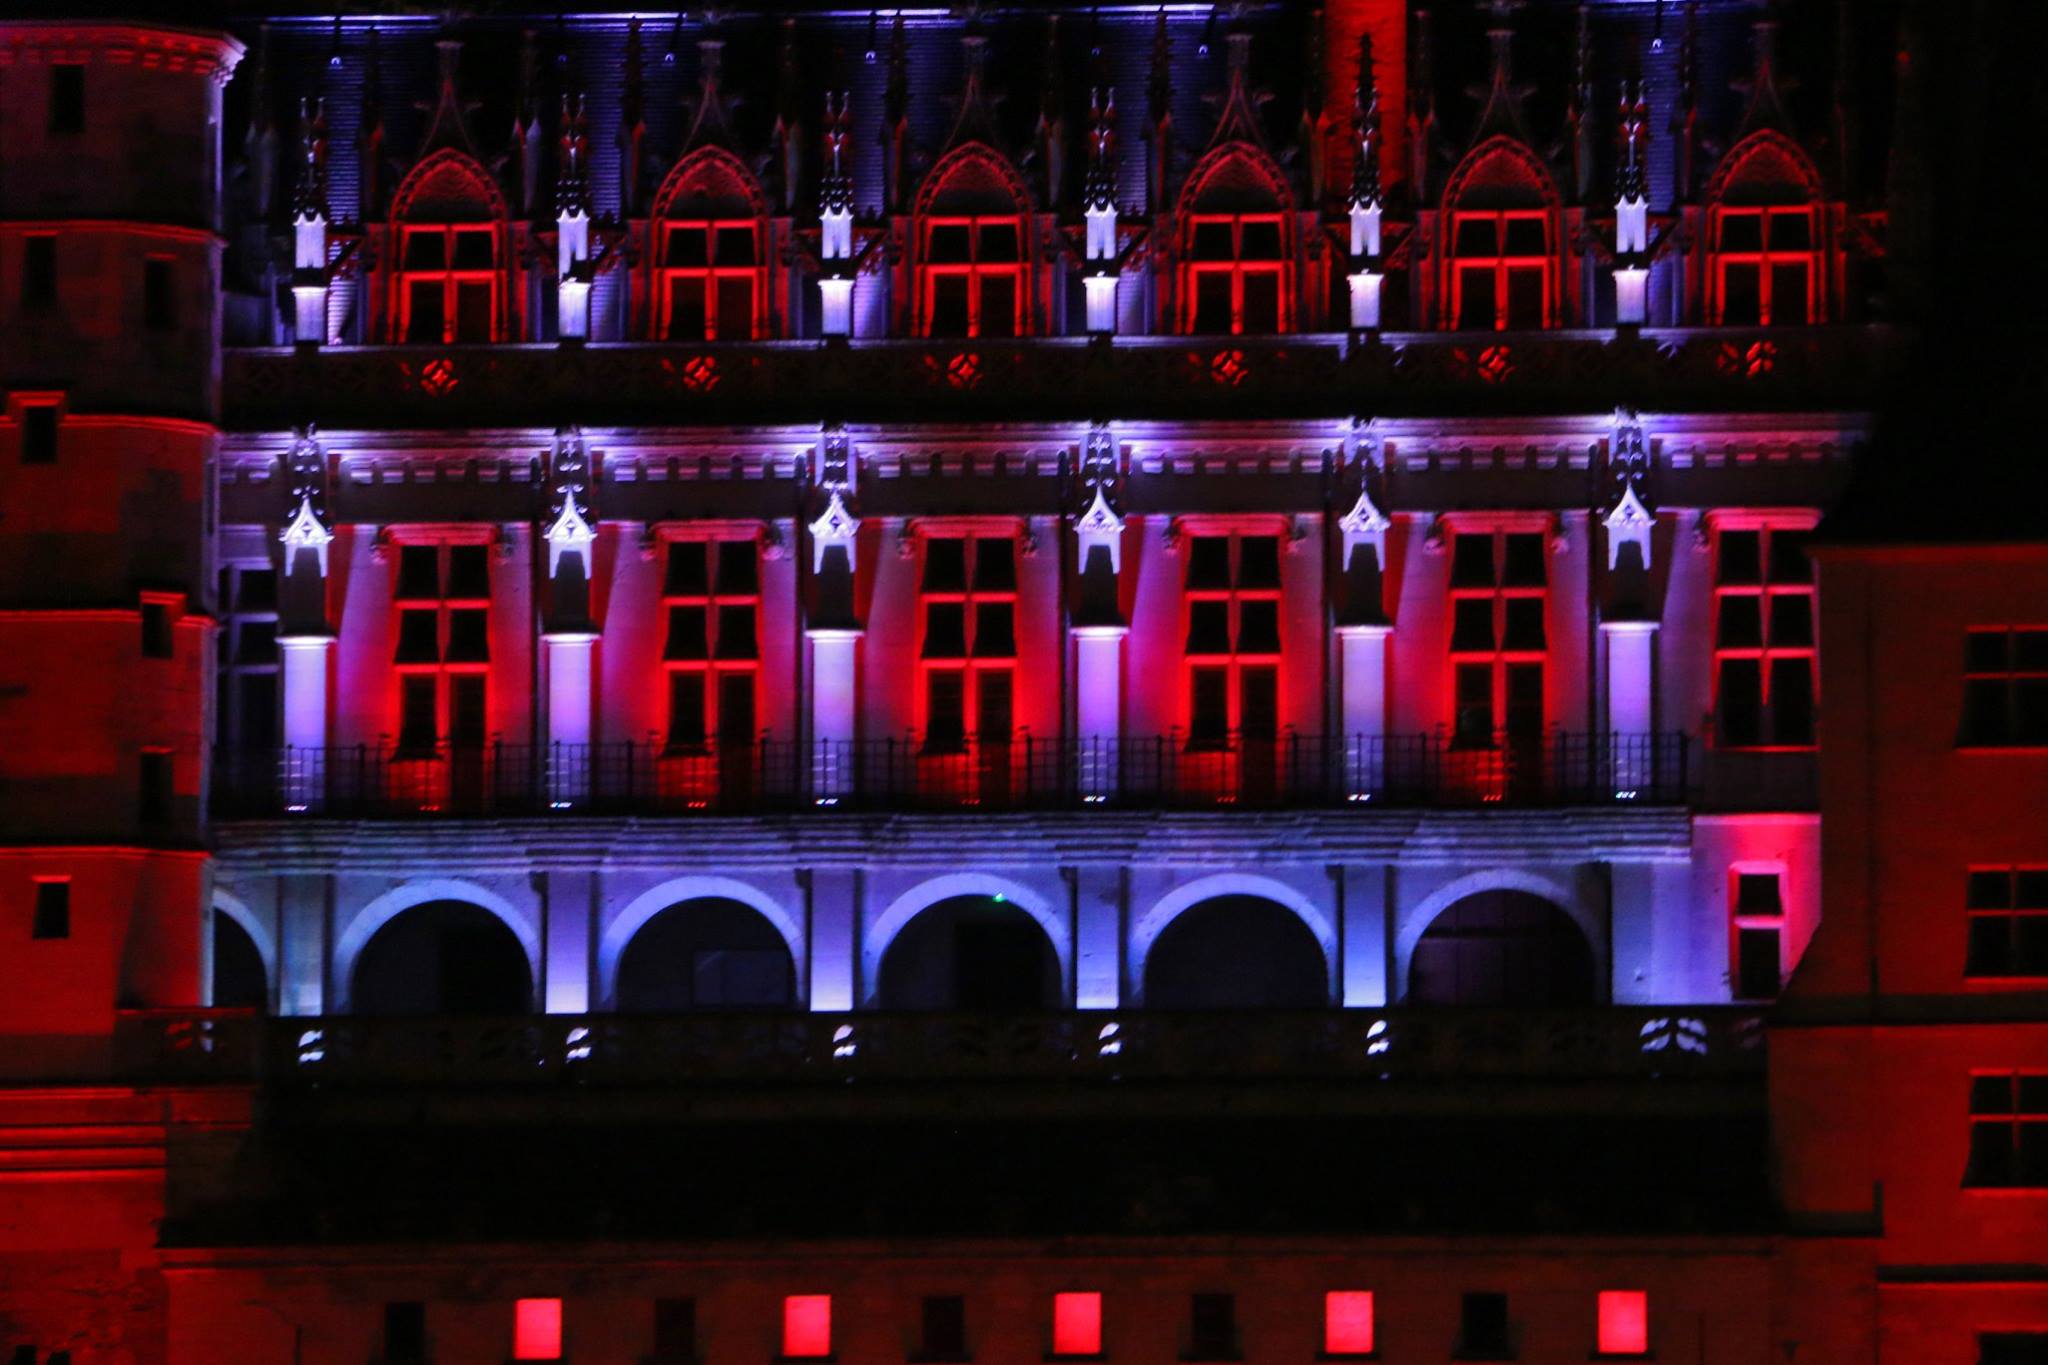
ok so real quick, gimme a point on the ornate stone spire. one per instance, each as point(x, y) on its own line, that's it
point(1765, 110)
point(1421, 111)
point(571, 505)
point(1098, 188)
point(710, 110)
point(836, 523)
point(309, 185)
point(896, 121)
point(1501, 111)
point(448, 116)
point(1049, 138)
point(788, 134)
point(1632, 138)
point(1101, 520)
point(835, 177)
point(632, 135)
point(1366, 191)
point(526, 129)
point(308, 527)
point(572, 157)
point(1685, 111)
point(1238, 119)
point(1844, 112)
point(1629, 518)
point(259, 141)
point(1578, 116)
point(976, 121)
point(1313, 134)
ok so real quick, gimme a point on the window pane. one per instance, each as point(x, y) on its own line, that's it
point(1789, 559)
point(999, 242)
point(1259, 703)
point(686, 576)
point(1209, 717)
point(1739, 624)
point(1474, 718)
point(1209, 562)
point(1741, 294)
point(1208, 628)
point(427, 311)
point(1526, 237)
point(1990, 946)
point(1472, 625)
point(2030, 711)
point(1989, 891)
point(1792, 700)
point(948, 244)
point(2030, 650)
point(1757, 893)
point(473, 250)
point(1991, 1155)
point(735, 246)
point(1741, 557)
point(467, 724)
point(998, 306)
point(1740, 699)
point(686, 317)
point(1522, 562)
point(1261, 303)
point(688, 633)
point(736, 633)
point(419, 725)
point(735, 308)
point(1472, 561)
point(473, 311)
point(949, 306)
point(1757, 964)
point(2030, 888)
point(945, 702)
point(468, 636)
point(945, 630)
point(1791, 231)
point(1524, 624)
point(469, 571)
point(1258, 627)
point(687, 246)
point(1984, 712)
point(945, 565)
point(686, 726)
point(1211, 242)
point(1742, 232)
point(1984, 651)
point(1791, 620)
point(1258, 562)
point(1478, 237)
point(426, 250)
point(995, 564)
point(737, 572)
point(38, 271)
point(1788, 294)
point(1525, 298)
point(2030, 945)
point(1991, 1094)
point(995, 633)
point(419, 640)
point(1524, 700)
point(1212, 301)
point(1475, 298)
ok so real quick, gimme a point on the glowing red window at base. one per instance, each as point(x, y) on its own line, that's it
point(1077, 1324)
point(537, 1329)
point(806, 1326)
point(1624, 1322)
point(1347, 1322)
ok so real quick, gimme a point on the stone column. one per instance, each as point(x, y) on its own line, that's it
point(1364, 688)
point(1630, 706)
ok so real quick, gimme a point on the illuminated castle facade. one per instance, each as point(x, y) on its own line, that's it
point(869, 687)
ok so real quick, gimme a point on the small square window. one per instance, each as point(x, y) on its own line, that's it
point(469, 571)
point(1209, 562)
point(537, 1329)
point(159, 300)
point(1758, 893)
point(1077, 1324)
point(38, 271)
point(945, 565)
point(1624, 1322)
point(1472, 561)
point(738, 575)
point(67, 98)
point(687, 574)
point(2012, 1348)
point(1759, 966)
point(807, 1327)
point(52, 911)
point(1258, 562)
point(1348, 1322)
point(419, 571)
point(156, 631)
point(153, 795)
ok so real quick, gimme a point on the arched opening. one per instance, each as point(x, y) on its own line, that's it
point(1502, 948)
point(1237, 249)
point(239, 981)
point(447, 231)
point(1501, 237)
point(709, 954)
point(1764, 228)
point(974, 262)
point(443, 957)
point(709, 254)
point(1234, 953)
point(978, 954)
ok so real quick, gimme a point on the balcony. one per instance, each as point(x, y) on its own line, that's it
point(1022, 773)
point(1060, 378)
point(1621, 1043)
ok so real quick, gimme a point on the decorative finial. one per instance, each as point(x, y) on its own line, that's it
point(1366, 191)
point(309, 186)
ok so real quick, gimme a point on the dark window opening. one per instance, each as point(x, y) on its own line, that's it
point(1483, 1328)
point(159, 302)
point(156, 631)
point(675, 1331)
point(53, 911)
point(153, 805)
point(944, 1328)
point(38, 272)
point(1212, 1327)
point(67, 98)
point(405, 1333)
point(39, 434)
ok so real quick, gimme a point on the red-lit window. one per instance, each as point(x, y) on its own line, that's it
point(1765, 664)
point(2008, 913)
point(1503, 270)
point(2012, 1348)
point(448, 282)
point(1766, 266)
point(1347, 1322)
point(1499, 646)
point(1234, 275)
point(711, 598)
point(1077, 1324)
point(443, 653)
point(537, 1329)
point(1233, 638)
point(2005, 687)
point(973, 276)
point(2008, 1131)
point(1759, 929)
point(807, 1327)
point(710, 285)
point(967, 600)
point(1624, 1322)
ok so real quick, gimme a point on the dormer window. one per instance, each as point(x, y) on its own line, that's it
point(447, 243)
point(1236, 275)
point(1764, 236)
point(1500, 242)
point(710, 279)
point(974, 268)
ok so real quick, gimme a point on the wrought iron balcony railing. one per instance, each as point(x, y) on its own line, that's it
point(1618, 1042)
point(1020, 773)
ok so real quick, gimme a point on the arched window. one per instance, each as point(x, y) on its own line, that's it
point(708, 254)
point(442, 958)
point(447, 245)
point(1764, 237)
point(1236, 952)
point(1502, 948)
point(973, 263)
point(1499, 236)
point(977, 954)
point(1236, 246)
point(706, 954)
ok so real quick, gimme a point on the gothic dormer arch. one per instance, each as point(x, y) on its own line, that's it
point(972, 225)
point(708, 251)
point(1765, 231)
point(1500, 235)
point(1235, 225)
point(449, 248)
